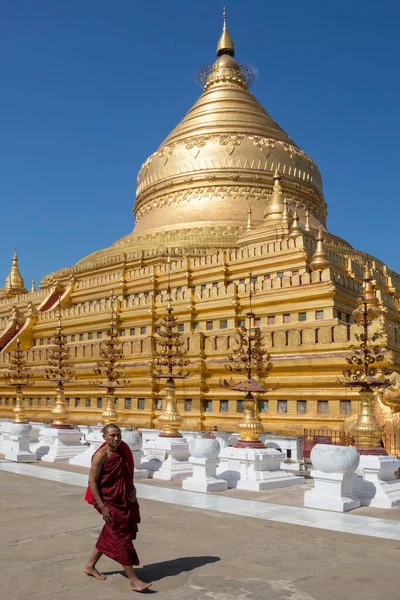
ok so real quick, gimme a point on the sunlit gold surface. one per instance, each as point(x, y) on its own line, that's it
point(110, 414)
point(192, 202)
point(60, 412)
point(170, 420)
point(250, 427)
point(14, 282)
point(366, 430)
point(18, 410)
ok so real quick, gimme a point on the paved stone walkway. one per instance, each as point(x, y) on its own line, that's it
point(47, 532)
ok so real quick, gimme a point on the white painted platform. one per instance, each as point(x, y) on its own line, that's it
point(267, 511)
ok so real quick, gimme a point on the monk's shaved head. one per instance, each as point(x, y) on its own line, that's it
point(108, 428)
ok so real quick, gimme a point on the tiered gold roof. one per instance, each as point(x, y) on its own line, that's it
point(194, 191)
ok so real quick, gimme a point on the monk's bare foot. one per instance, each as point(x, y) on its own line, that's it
point(139, 586)
point(93, 572)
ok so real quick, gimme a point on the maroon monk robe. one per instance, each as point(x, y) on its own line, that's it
point(115, 484)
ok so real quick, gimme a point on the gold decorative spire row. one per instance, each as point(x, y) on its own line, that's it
point(225, 43)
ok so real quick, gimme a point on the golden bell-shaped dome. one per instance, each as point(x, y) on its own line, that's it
point(194, 191)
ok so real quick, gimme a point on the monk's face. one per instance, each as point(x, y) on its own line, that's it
point(113, 437)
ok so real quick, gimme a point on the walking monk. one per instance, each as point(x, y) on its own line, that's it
point(113, 495)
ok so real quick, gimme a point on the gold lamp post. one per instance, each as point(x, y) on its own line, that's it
point(109, 366)
point(250, 358)
point(18, 376)
point(60, 371)
point(169, 362)
point(363, 373)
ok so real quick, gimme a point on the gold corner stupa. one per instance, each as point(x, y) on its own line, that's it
point(227, 191)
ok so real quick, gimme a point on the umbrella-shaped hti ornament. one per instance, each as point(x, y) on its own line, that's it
point(109, 366)
point(367, 370)
point(18, 376)
point(253, 360)
point(169, 362)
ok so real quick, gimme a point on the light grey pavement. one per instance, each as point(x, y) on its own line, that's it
point(47, 532)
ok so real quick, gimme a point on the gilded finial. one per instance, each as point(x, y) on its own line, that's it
point(33, 287)
point(285, 217)
point(295, 229)
point(275, 205)
point(249, 225)
point(225, 44)
point(307, 226)
point(14, 282)
point(319, 260)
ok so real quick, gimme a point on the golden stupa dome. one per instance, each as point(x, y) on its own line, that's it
point(195, 190)
point(218, 158)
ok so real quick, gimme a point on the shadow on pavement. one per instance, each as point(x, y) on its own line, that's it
point(169, 568)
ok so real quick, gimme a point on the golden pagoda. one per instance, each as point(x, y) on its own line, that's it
point(227, 192)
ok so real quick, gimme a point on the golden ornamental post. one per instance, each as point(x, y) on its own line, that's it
point(18, 376)
point(363, 372)
point(109, 365)
point(59, 370)
point(249, 357)
point(169, 362)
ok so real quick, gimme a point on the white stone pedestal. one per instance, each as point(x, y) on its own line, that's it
point(20, 438)
point(204, 478)
point(379, 486)
point(332, 491)
point(254, 469)
point(94, 439)
point(167, 459)
point(57, 445)
point(140, 472)
point(5, 440)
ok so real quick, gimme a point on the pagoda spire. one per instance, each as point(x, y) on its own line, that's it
point(225, 44)
point(249, 225)
point(276, 204)
point(319, 260)
point(14, 282)
point(307, 226)
point(295, 229)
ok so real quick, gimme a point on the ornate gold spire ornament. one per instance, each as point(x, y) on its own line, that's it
point(307, 226)
point(286, 220)
point(249, 225)
point(18, 376)
point(109, 365)
point(225, 44)
point(295, 229)
point(14, 282)
point(33, 286)
point(253, 360)
point(319, 260)
point(363, 372)
point(169, 362)
point(60, 371)
point(276, 204)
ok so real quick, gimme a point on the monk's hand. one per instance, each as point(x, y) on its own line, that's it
point(105, 511)
point(132, 496)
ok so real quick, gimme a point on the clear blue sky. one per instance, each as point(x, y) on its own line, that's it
point(90, 88)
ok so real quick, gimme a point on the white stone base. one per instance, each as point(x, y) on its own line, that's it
point(378, 487)
point(19, 440)
point(254, 469)
point(167, 459)
point(204, 476)
point(140, 472)
point(94, 438)
point(57, 445)
point(332, 491)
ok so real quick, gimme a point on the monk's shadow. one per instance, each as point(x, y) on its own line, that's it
point(170, 568)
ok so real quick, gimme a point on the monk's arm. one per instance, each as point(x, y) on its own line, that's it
point(94, 474)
